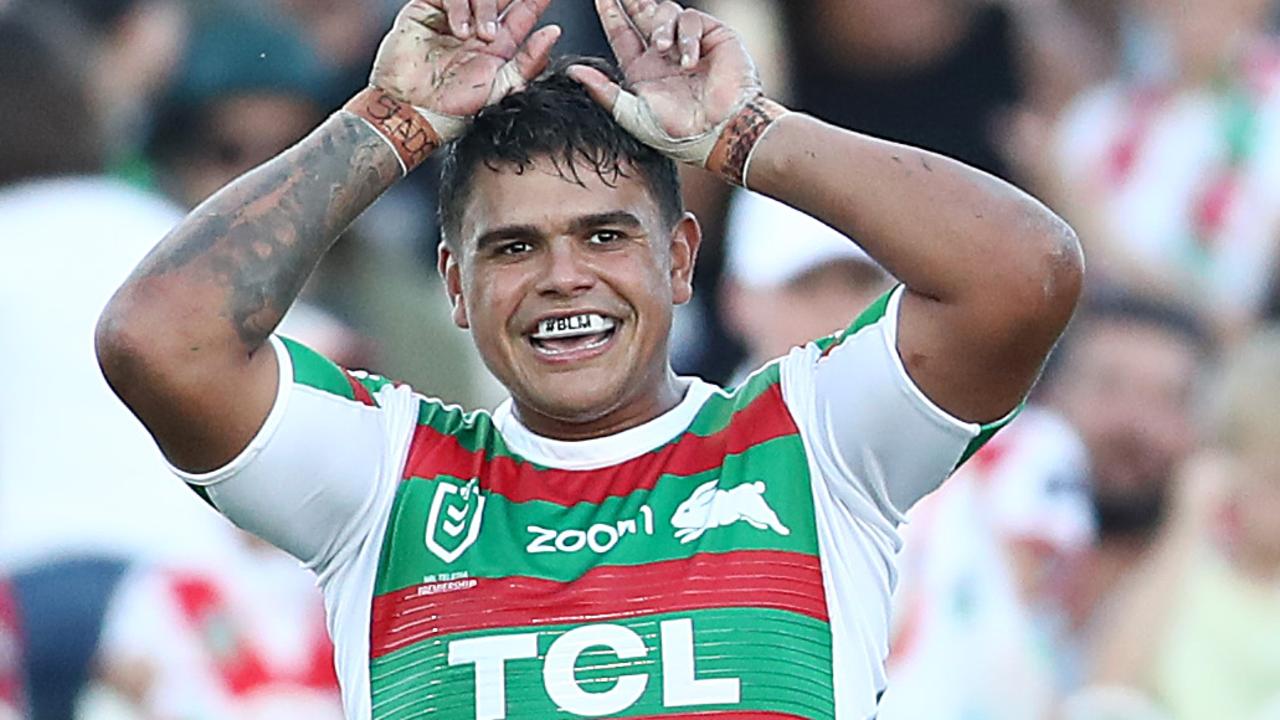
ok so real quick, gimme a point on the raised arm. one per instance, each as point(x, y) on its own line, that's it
point(182, 342)
point(992, 276)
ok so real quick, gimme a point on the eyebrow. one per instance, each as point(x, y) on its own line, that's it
point(577, 226)
point(507, 232)
point(588, 222)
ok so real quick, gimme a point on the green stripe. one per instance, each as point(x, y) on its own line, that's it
point(314, 370)
point(987, 432)
point(474, 430)
point(874, 313)
point(203, 493)
point(718, 412)
point(782, 661)
point(505, 525)
point(372, 383)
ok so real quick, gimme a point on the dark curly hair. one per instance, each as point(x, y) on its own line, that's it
point(554, 118)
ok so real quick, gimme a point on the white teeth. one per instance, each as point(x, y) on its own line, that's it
point(573, 326)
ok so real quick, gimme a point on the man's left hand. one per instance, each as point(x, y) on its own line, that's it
point(688, 73)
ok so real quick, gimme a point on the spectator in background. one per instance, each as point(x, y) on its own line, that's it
point(1196, 628)
point(344, 34)
point(245, 639)
point(1125, 378)
point(248, 87)
point(978, 561)
point(13, 696)
point(75, 475)
point(129, 49)
point(1173, 177)
point(77, 479)
point(943, 74)
point(791, 279)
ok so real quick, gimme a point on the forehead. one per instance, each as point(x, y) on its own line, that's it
point(1140, 351)
point(550, 198)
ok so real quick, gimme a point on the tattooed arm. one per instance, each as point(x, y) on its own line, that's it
point(182, 342)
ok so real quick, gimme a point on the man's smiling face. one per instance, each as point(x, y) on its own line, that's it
point(568, 291)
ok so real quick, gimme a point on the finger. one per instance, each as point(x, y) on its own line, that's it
point(528, 64)
point(522, 17)
point(459, 12)
point(536, 53)
point(643, 14)
point(691, 29)
point(601, 89)
point(627, 44)
point(666, 18)
point(428, 13)
point(486, 17)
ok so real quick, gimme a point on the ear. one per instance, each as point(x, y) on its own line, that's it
point(705, 492)
point(451, 274)
point(686, 239)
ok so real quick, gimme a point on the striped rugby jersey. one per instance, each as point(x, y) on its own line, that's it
point(730, 558)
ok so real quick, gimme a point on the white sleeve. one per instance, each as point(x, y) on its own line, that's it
point(875, 434)
point(323, 469)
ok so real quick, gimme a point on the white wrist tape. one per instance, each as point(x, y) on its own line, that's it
point(452, 127)
point(637, 118)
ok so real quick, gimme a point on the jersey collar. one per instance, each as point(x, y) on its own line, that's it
point(603, 451)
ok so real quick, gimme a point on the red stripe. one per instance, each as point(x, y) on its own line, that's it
point(361, 392)
point(714, 714)
point(433, 453)
point(742, 579)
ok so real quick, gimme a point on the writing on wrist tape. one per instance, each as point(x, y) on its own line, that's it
point(731, 157)
point(403, 127)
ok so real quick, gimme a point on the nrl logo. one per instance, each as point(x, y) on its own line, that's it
point(462, 508)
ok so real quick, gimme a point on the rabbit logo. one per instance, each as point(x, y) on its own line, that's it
point(710, 507)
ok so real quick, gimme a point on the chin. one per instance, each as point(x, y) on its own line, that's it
point(581, 405)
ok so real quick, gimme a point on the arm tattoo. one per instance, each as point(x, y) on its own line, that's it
point(258, 239)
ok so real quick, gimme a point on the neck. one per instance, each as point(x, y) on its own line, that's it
point(636, 408)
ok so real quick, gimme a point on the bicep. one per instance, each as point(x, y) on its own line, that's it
point(970, 363)
point(203, 414)
point(890, 440)
point(309, 479)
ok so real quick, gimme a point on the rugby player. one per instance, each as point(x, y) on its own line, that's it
point(615, 540)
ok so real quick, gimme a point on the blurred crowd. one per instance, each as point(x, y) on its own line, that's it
point(1114, 554)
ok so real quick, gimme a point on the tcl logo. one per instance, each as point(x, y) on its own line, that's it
point(681, 687)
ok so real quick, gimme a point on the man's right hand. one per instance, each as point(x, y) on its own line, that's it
point(452, 58)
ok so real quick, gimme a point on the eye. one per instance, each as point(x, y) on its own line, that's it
point(605, 237)
point(515, 247)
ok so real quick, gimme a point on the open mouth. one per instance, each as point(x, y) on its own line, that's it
point(563, 337)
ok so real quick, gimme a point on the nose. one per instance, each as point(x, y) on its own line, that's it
point(565, 272)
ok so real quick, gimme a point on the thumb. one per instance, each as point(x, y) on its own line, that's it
point(598, 85)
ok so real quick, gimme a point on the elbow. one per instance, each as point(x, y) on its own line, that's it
point(134, 346)
point(1047, 276)
point(118, 345)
